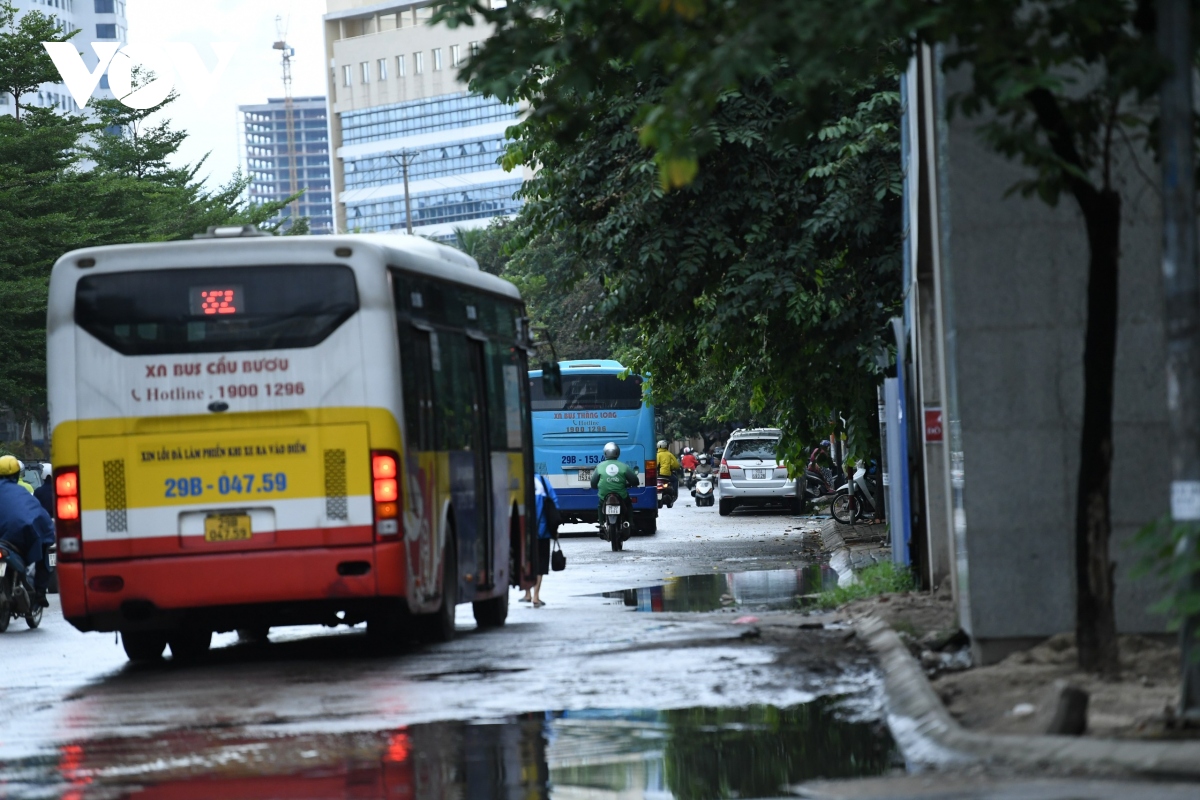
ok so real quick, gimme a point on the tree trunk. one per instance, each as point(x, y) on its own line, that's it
point(1095, 621)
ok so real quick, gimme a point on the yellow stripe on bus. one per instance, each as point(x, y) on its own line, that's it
point(384, 430)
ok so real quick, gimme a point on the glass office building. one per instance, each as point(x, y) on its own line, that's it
point(269, 161)
point(395, 98)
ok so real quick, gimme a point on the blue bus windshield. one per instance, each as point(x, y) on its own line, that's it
point(590, 392)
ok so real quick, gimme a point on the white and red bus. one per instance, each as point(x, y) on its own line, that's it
point(253, 431)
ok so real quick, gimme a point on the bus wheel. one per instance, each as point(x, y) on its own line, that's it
point(491, 613)
point(439, 626)
point(144, 645)
point(647, 527)
point(189, 644)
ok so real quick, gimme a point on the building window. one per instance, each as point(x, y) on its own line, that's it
point(437, 59)
point(455, 57)
point(474, 49)
point(365, 69)
point(418, 63)
point(400, 73)
point(383, 69)
point(106, 30)
point(347, 73)
point(106, 6)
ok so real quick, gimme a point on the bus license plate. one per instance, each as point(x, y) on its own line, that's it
point(614, 510)
point(227, 528)
point(584, 475)
point(758, 474)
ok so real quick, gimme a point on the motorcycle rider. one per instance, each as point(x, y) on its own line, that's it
point(24, 528)
point(704, 467)
point(688, 460)
point(668, 466)
point(24, 484)
point(615, 476)
point(45, 492)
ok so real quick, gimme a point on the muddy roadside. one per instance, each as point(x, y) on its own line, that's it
point(1022, 693)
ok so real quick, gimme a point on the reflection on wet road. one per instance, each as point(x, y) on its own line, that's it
point(682, 753)
point(757, 590)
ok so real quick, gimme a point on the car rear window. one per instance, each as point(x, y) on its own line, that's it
point(751, 448)
point(216, 309)
point(589, 392)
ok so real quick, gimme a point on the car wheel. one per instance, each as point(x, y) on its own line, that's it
point(726, 508)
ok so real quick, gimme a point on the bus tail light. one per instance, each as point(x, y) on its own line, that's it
point(651, 472)
point(385, 483)
point(724, 469)
point(68, 526)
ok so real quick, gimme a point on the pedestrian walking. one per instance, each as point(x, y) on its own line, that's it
point(547, 528)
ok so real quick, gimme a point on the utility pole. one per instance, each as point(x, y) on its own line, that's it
point(1181, 286)
point(404, 159)
point(287, 52)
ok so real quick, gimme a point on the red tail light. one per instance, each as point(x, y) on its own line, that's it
point(724, 469)
point(385, 477)
point(67, 525)
point(651, 471)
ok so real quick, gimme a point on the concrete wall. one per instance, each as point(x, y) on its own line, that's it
point(1019, 272)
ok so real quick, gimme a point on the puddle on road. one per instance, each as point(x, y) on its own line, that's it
point(685, 753)
point(755, 590)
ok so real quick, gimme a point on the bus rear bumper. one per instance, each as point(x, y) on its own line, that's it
point(580, 504)
point(231, 590)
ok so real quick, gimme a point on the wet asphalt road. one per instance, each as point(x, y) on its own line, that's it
point(584, 692)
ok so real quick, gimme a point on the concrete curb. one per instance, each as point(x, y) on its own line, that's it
point(847, 559)
point(927, 734)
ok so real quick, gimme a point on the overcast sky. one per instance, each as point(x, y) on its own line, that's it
point(253, 75)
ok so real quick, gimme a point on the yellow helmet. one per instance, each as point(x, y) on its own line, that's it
point(9, 466)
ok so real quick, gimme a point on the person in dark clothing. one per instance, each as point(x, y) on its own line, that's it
point(45, 492)
point(25, 527)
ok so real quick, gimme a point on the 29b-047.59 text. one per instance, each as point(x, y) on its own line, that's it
point(228, 484)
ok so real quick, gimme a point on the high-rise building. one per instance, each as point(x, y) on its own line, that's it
point(395, 99)
point(269, 157)
point(96, 21)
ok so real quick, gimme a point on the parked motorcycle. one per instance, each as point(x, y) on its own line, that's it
point(16, 595)
point(615, 524)
point(703, 491)
point(816, 486)
point(855, 499)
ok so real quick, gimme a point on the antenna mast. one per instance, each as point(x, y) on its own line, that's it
point(286, 53)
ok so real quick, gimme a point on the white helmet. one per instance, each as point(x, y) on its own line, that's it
point(612, 451)
point(46, 472)
point(662, 444)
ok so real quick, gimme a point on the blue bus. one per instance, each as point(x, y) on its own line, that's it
point(569, 434)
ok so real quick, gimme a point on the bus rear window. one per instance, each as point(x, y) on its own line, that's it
point(589, 392)
point(216, 309)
